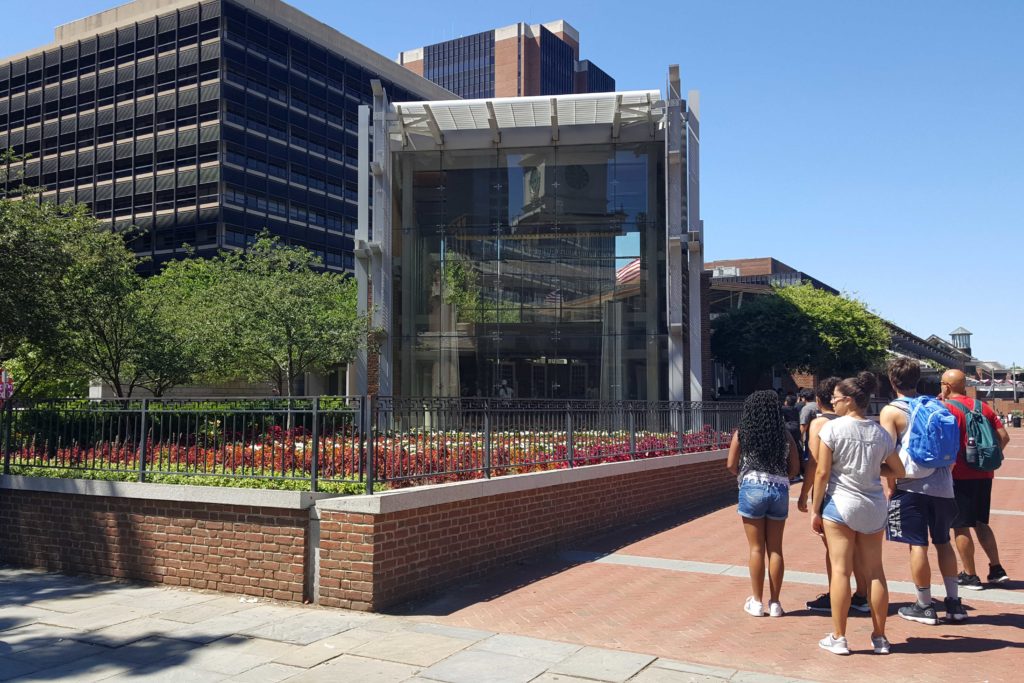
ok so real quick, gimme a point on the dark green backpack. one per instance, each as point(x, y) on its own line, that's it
point(983, 451)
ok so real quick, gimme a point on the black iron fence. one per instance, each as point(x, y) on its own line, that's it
point(315, 443)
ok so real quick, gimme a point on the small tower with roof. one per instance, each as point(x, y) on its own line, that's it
point(962, 339)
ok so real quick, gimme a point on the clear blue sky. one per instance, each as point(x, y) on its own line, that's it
point(876, 145)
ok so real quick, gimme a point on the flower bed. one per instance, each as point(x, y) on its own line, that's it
point(282, 458)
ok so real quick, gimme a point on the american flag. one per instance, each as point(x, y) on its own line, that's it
point(628, 272)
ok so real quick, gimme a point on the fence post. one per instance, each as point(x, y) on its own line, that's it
point(143, 429)
point(679, 428)
point(368, 436)
point(487, 439)
point(8, 427)
point(314, 465)
point(570, 449)
point(632, 432)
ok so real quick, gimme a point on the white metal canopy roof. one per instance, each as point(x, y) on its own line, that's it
point(614, 109)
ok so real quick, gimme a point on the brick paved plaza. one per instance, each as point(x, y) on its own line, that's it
point(678, 592)
point(660, 603)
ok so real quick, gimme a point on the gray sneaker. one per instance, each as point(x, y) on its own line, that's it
point(955, 610)
point(922, 615)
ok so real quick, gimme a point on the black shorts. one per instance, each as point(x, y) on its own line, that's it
point(973, 502)
point(913, 516)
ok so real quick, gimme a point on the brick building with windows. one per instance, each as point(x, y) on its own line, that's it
point(518, 60)
point(199, 123)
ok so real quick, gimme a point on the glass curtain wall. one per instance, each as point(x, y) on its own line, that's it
point(538, 271)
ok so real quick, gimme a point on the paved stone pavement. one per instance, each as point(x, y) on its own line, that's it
point(659, 603)
point(675, 588)
point(74, 629)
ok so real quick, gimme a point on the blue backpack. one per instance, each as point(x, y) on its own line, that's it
point(932, 438)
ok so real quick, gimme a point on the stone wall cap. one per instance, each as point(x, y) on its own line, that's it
point(215, 495)
point(437, 494)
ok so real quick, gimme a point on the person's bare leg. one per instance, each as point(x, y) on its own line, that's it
point(947, 559)
point(965, 547)
point(869, 550)
point(841, 542)
point(920, 568)
point(987, 539)
point(754, 528)
point(776, 564)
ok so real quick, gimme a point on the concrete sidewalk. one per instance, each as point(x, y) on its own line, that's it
point(55, 627)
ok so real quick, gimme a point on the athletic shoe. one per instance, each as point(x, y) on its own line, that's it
point(997, 574)
point(969, 581)
point(860, 603)
point(922, 615)
point(955, 610)
point(775, 609)
point(753, 607)
point(880, 644)
point(836, 646)
point(822, 603)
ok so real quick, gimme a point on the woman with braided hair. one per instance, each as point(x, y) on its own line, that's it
point(764, 457)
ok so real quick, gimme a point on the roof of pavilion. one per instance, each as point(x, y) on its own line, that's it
point(571, 119)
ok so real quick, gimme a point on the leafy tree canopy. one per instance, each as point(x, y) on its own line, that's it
point(267, 313)
point(801, 328)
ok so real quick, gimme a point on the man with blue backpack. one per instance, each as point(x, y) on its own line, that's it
point(983, 439)
point(923, 504)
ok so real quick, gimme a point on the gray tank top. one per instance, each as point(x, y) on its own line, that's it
point(939, 483)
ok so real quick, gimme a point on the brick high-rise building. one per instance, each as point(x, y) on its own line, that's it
point(200, 122)
point(517, 60)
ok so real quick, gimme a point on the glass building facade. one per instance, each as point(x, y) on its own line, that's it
point(464, 65)
point(543, 268)
point(202, 125)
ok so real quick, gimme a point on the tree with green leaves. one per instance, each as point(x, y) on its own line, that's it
point(803, 329)
point(267, 313)
point(848, 337)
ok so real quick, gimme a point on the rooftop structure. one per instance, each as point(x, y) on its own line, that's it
point(516, 60)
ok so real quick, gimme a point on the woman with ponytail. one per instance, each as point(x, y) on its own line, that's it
point(850, 507)
point(764, 457)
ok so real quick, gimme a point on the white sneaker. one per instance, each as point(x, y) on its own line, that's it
point(753, 607)
point(836, 646)
point(775, 609)
point(880, 645)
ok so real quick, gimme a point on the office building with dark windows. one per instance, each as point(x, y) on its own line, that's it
point(517, 60)
point(545, 245)
point(200, 123)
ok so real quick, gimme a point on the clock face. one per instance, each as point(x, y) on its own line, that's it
point(534, 182)
point(577, 177)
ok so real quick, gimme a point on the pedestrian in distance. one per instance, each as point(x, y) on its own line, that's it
point(922, 506)
point(826, 413)
point(855, 454)
point(808, 412)
point(972, 480)
point(763, 456)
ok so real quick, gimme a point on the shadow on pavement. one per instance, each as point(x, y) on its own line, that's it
point(518, 575)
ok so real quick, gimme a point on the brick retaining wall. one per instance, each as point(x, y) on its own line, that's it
point(358, 552)
point(128, 531)
point(381, 550)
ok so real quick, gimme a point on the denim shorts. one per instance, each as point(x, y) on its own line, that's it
point(830, 512)
point(760, 498)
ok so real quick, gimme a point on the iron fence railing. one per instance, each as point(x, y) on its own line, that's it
point(366, 441)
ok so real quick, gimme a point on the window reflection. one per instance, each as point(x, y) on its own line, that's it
point(542, 268)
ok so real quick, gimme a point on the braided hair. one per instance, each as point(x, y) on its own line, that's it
point(762, 434)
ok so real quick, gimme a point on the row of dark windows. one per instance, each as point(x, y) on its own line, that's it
point(464, 65)
point(19, 112)
point(175, 31)
point(557, 65)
